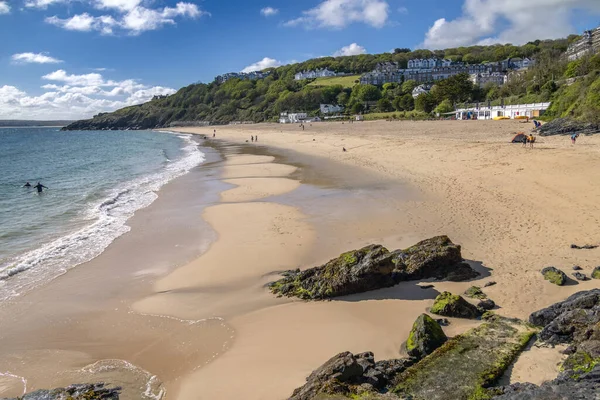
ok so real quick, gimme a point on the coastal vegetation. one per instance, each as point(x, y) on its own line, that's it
point(571, 86)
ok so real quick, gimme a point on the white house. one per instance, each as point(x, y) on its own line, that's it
point(331, 109)
point(532, 110)
point(292, 118)
point(419, 90)
point(497, 78)
point(319, 73)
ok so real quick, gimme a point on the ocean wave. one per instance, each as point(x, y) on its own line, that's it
point(109, 216)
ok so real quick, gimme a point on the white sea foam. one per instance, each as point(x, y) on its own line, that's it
point(108, 219)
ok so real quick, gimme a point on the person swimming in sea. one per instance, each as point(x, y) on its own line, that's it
point(27, 185)
point(40, 187)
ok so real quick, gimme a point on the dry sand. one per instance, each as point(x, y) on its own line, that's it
point(513, 210)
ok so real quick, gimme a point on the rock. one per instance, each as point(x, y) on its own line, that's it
point(580, 277)
point(467, 363)
point(374, 267)
point(486, 305)
point(348, 374)
point(581, 300)
point(596, 273)
point(554, 275)
point(475, 292)
point(586, 247)
point(567, 126)
point(577, 268)
point(450, 305)
point(96, 391)
point(426, 336)
point(488, 284)
point(442, 321)
point(427, 286)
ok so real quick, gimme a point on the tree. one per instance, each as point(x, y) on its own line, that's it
point(368, 93)
point(444, 107)
point(409, 85)
point(457, 88)
point(357, 108)
point(401, 50)
point(404, 103)
point(343, 98)
point(384, 105)
point(425, 102)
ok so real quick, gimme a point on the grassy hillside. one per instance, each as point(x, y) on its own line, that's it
point(263, 100)
point(345, 81)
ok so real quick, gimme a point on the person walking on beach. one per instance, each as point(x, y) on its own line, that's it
point(256, 138)
point(252, 138)
point(27, 185)
point(531, 140)
point(525, 140)
point(574, 138)
point(40, 187)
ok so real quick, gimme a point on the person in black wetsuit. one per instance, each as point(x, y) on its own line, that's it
point(27, 185)
point(40, 187)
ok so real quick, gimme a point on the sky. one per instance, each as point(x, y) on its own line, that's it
point(70, 59)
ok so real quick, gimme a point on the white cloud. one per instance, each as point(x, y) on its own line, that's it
point(269, 11)
point(403, 10)
point(131, 17)
point(43, 4)
point(262, 64)
point(338, 14)
point(35, 58)
point(351, 50)
point(4, 7)
point(81, 96)
point(484, 21)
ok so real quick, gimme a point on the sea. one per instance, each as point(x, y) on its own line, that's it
point(95, 182)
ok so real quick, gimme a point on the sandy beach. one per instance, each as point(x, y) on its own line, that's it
point(296, 200)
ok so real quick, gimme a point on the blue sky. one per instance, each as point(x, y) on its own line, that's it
point(74, 58)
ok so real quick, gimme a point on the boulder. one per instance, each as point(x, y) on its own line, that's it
point(580, 277)
point(490, 283)
point(554, 275)
point(578, 301)
point(375, 267)
point(96, 391)
point(596, 273)
point(475, 292)
point(426, 336)
point(577, 268)
point(486, 304)
point(347, 374)
point(450, 305)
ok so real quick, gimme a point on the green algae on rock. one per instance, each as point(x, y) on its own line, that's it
point(452, 305)
point(554, 275)
point(467, 364)
point(75, 392)
point(425, 336)
point(475, 292)
point(596, 273)
point(375, 267)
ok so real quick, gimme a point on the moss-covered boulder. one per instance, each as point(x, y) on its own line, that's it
point(475, 292)
point(452, 305)
point(425, 336)
point(596, 273)
point(554, 275)
point(375, 267)
point(467, 364)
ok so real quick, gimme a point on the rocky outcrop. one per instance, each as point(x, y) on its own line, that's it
point(375, 267)
point(596, 273)
point(347, 374)
point(475, 292)
point(576, 322)
point(425, 336)
point(554, 275)
point(486, 305)
point(567, 126)
point(96, 391)
point(452, 305)
point(465, 365)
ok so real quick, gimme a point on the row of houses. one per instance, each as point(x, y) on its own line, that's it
point(532, 110)
point(490, 72)
point(251, 76)
point(294, 118)
point(319, 73)
point(588, 44)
